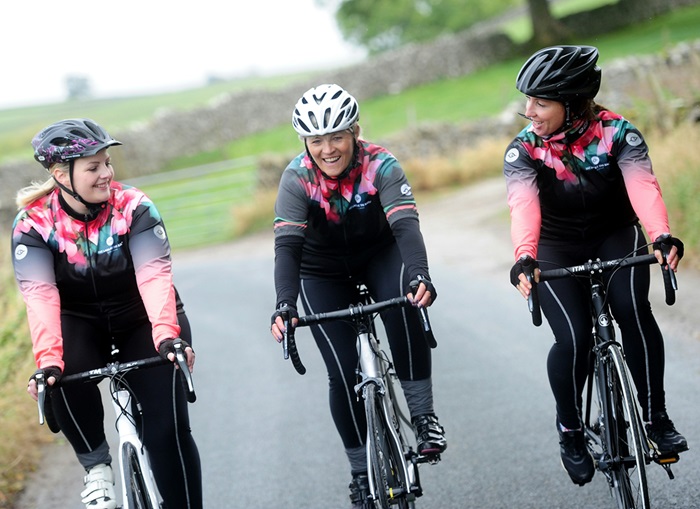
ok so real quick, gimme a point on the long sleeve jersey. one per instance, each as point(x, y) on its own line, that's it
point(114, 266)
point(327, 227)
point(581, 184)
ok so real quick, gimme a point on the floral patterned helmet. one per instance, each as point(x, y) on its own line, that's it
point(561, 73)
point(70, 139)
point(324, 109)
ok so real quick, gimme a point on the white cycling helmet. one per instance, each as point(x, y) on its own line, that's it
point(324, 109)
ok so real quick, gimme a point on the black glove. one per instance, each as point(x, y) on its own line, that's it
point(525, 265)
point(286, 311)
point(664, 243)
point(51, 371)
point(168, 346)
point(415, 283)
point(49, 417)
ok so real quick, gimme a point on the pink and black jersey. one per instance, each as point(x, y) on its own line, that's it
point(581, 184)
point(113, 265)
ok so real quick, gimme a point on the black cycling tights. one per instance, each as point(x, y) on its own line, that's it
point(166, 430)
point(383, 276)
point(566, 304)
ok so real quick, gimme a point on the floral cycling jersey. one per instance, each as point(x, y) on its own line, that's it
point(339, 223)
point(581, 184)
point(114, 265)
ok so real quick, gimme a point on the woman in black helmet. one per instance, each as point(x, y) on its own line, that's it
point(579, 183)
point(92, 260)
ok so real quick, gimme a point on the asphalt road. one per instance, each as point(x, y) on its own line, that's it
point(265, 434)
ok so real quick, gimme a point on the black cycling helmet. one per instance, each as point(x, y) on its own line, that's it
point(70, 139)
point(561, 73)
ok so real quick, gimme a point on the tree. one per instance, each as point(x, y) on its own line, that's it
point(78, 87)
point(546, 29)
point(387, 24)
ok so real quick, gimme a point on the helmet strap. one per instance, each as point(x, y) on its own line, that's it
point(568, 122)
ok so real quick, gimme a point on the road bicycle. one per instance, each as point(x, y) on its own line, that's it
point(392, 462)
point(615, 433)
point(139, 490)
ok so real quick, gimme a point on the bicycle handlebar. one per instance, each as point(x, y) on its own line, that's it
point(598, 267)
point(354, 312)
point(113, 369)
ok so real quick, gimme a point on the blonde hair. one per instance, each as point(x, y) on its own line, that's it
point(36, 190)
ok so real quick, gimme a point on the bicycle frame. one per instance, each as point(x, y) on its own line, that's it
point(614, 428)
point(375, 369)
point(136, 474)
point(616, 437)
point(387, 447)
point(137, 483)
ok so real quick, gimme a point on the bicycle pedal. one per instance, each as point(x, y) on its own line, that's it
point(667, 458)
point(431, 459)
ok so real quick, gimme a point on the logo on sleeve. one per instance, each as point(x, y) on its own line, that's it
point(159, 232)
point(512, 155)
point(21, 252)
point(406, 190)
point(633, 139)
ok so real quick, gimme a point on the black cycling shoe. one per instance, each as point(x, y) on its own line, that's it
point(575, 458)
point(430, 436)
point(359, 492)
point(664, 435)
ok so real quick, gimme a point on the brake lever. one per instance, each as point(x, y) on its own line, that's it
point(181, 359)
point(41, 395)
point(285, 340)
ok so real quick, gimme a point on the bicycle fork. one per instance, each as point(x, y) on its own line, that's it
point(129, 439)
point(371, 372)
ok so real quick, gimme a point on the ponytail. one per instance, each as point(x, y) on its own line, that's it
point(37, 190)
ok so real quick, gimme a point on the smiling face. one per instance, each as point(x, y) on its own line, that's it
point(332, 152)
point(92, 177)
point(546, 116)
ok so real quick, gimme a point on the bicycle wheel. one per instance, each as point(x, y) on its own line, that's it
point(627, 461)
point(385, 457)
point(136, 491)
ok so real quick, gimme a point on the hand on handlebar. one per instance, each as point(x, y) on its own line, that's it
point(422, 292)
point(282, 316)
point(671, 248)
point(522, 273)
point(51, 375)
point(166, 349)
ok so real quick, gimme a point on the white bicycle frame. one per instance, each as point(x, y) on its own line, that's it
point(121, 401)
point(371, 372)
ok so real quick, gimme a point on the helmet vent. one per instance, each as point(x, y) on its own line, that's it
point(324, 109)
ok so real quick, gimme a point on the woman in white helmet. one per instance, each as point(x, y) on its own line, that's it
point(345, 214)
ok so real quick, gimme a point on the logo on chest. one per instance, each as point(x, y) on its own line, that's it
point(358, 203)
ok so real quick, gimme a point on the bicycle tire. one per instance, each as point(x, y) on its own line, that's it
point(627, 458)
point(136, 491)
point(385, 457)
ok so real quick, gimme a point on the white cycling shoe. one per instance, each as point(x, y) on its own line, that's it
point(99, 488)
